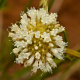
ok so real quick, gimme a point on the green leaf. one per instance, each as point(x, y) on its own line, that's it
point(65, 35)
point(72, 52)
point(50, 4)
point(2, 3)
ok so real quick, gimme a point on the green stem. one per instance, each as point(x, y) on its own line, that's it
point(50, 4)
point(72, 52)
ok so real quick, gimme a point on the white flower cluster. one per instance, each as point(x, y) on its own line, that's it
point(36, 40)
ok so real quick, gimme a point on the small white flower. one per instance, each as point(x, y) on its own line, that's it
point(31, 33)
point(61, 29)
point(14, 27)
point(32, 13)
point(51, 45)
point(30, 61)
point(16, 50)
point(55, 52)
point(26, 55)
point(46, 37)
point(41, 65)
point(33, 22)
point(48, 54)
point(24, 50)
point(60, 43)
point(37, 34)
point(50, 60)
point(58, 38)
point(19, 60)
point(54, 32)
point(11, 34)
point(35, 66)
point(48, 67)
point(36, 47)
point(24, 19)
point(37, 55)
point(24, 33)
point(44, 19)
point(40, 12)
point(28, 37)
point(36, 40)
point(20, 43)
point(23, 27)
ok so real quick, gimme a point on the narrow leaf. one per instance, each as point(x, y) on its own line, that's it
point(73, 52)
point(50, 4)
point(28, 5)
point(2, 3)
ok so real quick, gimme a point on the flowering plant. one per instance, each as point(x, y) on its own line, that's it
point(37, 40)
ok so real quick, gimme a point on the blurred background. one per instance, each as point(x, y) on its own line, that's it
point(68, 15)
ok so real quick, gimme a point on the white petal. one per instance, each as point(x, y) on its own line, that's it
point(51, 45)
point(35, 66)
point(28, 37)
point(60, 43)
point(36, 47)
point(54, 32)
point(41, 65)
point(37, 55)
point(30, 61)
point(20, 43)
point(40, 13)
point(44, 18)
point(32, 13)
point(19, 60)
point(37, 34)
point(26, 55)
point(31, 33)
point(55, 53)
point(23, 27)
point(50, 60)
point(61, 29)
point(47, 39)
point(33, 22)
point(24, 50)
point(14, 27)
point(48, 67)
point(58, 38)
point(24, 19)
point(16, 50)
point(48, 54)
point(11, 34)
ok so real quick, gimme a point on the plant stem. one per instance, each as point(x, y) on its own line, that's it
point(44, 4)
point(72, 52)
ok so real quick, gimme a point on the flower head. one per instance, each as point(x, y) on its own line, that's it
point(36, 40)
